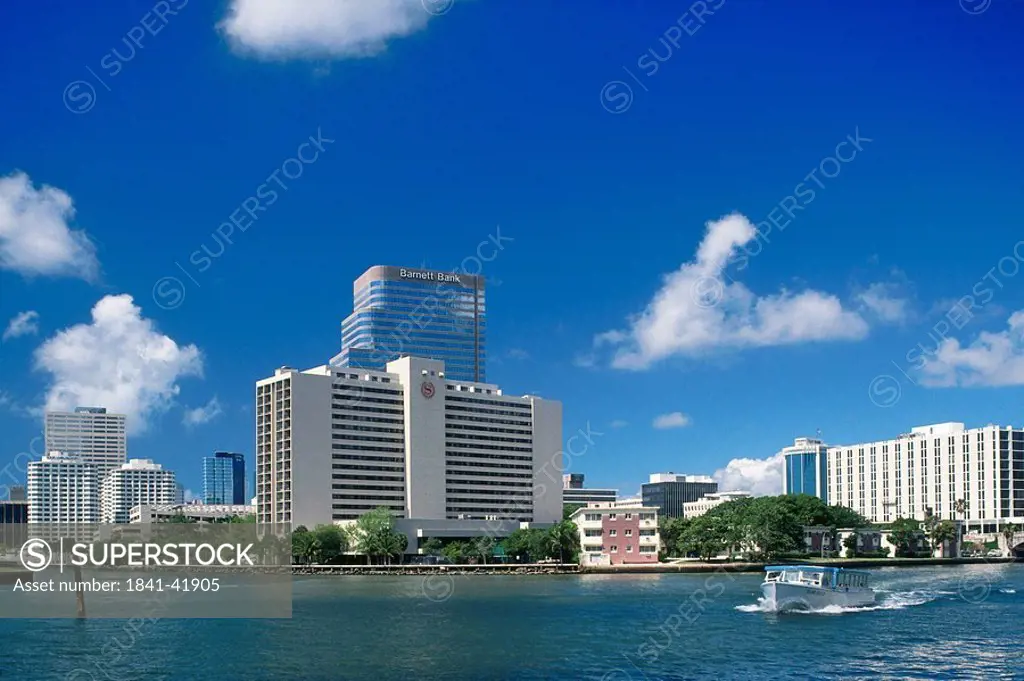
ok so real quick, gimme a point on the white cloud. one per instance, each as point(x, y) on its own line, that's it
point(884, 301)
point(35, 237)
point(119, 361)
point(518, 353)
point(698, 312)
point(203, 414)
point(760, 477)
point(676, 419)
point(323, 28)
point(189, 496)
point(585, 361)
point(993, 359)
point(23, 324)
point(618, 423)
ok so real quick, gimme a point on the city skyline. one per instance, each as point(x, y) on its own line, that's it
point(703, 286)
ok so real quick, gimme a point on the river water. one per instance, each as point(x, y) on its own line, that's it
point(929, 623)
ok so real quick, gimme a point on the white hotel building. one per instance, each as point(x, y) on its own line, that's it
point(62, 488)
point(89, 433)
point(140, 481)
point(335, 442)
point(932, 467)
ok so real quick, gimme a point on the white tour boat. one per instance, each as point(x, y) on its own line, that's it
point(810, 587)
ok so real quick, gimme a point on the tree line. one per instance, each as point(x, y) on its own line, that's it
point(374, 536)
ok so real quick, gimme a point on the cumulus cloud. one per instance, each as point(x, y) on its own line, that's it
point(698, 311)
point(760, 477)
point(35, 236)
point(993, 359)
point(676, 419)
point(23, 324)
point(204, 414)
point(324, 28)
point(884, 301)
point(118, 361)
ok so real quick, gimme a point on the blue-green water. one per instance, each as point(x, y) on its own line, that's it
point(930, 623)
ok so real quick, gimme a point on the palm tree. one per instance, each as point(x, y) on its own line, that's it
point(960, 508)
point(1008, 531)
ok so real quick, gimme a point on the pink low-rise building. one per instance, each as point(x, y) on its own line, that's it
point(617, 533)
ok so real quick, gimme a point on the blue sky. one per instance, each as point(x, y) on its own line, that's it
point(744, 218)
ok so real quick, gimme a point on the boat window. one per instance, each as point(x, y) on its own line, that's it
point(772, 576)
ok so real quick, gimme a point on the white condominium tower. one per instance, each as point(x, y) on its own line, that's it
point(62, 489)
point(140, 481)
point(934, 467)
point(90, 433)
point(335, 442)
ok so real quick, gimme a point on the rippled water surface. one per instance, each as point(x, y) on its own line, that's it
point(929, 623)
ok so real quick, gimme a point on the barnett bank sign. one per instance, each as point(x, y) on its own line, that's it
point(426, 275)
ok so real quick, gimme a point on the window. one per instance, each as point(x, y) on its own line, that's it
point(629, 548)
point(615, 549)
point(611, 516)
point(611, 533)
point(629, 533)
point(629, 516)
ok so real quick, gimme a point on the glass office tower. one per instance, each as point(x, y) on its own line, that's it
point(399, 311)
point(224, 479)
point(805, 468)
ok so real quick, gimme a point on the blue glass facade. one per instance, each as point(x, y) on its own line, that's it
point(422, 313)
point(804, 470)
point(224, 479)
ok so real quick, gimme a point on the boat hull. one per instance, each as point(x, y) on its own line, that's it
point(780, 596)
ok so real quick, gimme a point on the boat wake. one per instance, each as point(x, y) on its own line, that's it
point(887, 601)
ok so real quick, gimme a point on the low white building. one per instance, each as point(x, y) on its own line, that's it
point(693, 509)
point(64, 489)
point(140, 481)
point(144, 514)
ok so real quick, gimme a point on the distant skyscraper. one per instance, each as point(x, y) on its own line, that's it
point(62, 488)
point(140, 481)
point(224, 478)
point(90, 434)
point(574, 493)
point(17, 493)
point(668, 492)
point(420, 313)
point(805, 468)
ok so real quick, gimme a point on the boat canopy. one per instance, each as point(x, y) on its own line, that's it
point(811, 568)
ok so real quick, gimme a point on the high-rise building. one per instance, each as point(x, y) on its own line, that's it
point(573, 492)
point(933, 467)
point(224, 478)
point(140, 481)
point(668, 492)
point(17, 493)
point(401, 312)
point(804, 468)
point(13, 520)
point(89, 433)
point(334, 443)
point(62, 488)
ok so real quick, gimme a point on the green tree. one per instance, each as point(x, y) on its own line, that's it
point(671, 530)
point(375, 536)
point(455, 551)
point(484, 547)
point(247, 519)
point(944, 531)
point(526, 545)
point(851, 545)
point(903, 534)
point(569, 509)
point(303, 545)
point(432, 546)
point(1008, 532)
point(704, 537)
point(960, 508)
point(562, 541)
point(330, 543)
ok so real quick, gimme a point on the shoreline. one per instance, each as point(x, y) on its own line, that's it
point(655, 568)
